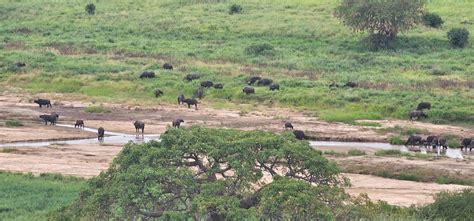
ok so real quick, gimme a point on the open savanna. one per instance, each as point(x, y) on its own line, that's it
point(101, 56)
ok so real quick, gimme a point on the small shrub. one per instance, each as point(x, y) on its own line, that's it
point(259, 49)
point(334, 153)
point(458, 37)
point(391, 152)
point(356, 152)
point(234, 9)
point(94, 109)
point(13, 123)
point(396, 140)
point(453, 143)
point(432, 20)
point(90, 9)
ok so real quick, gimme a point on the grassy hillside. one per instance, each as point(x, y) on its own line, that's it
point(24, 197)
point(102, 55)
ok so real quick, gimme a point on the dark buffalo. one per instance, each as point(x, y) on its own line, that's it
point(265, 82)
point(274, 87)
point(248, 90)
point(20, 64)
point(351, 84)
point(199, 93)
point(79, 124)
point(207, 84)
point(181, 99)
point(299, 134)
point(43, 102)
point(288, 125)
point(465, 143)
point(417, 114)
point(48, 118)
point(423, 105)
point(100, 133)
point(147, 74)
point(158, 93)
point(219, 86)
point(414, 140)
point(253, 79)
point(177, 123)
point(54, 114)
point(190, 102)
point(139, 126)
point(443, 142)
point(431, 141)
point(167, 66)
point(192, 76)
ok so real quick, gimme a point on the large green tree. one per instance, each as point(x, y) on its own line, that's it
point(383, 19)
point(214, 174)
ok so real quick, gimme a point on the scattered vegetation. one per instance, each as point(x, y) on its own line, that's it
point(356, 152)
point(259, 49)
point(390, 152)
point(95, 109)
point(13, 123)
point(396, 140)
point(450, 206)
point(458, 37)
point(432, 20)
point(8, 150)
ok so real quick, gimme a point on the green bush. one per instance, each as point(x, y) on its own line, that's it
point(450, 206)
point(458, 37)
point(390, 152)
point(432, 20)
point(260, 49)
point(396, 140)
point(356, 152)
point(234, 9)
point(13, 123)
point(95, 109)
point(90, 9)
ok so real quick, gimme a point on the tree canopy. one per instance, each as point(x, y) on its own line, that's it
point(215, 174)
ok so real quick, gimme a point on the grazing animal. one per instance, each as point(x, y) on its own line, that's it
point(248, 90)
point(219, 86)
point(431, 141)
point(177, 123)
point(333, 84)
point(54, 114)
point(48, 118)
point(265, 82)
point(43, 102)
point(79, 124)
point(442, 143)
point(158, 93)
point(351, 84)
point(20, 64)
point(207, 84)
point(417, 114)
point(299, 134)
point(167, 66)
point(253, 79)
point(413, 140)
point(199, 93)
point(288, 125)
point(147, 74)
point(191, 102)
point(274, 86)
point(192, 76)
point(100, 133)
point(181, 99)
point(466, 142)
point(139, 126)
point(423, 105)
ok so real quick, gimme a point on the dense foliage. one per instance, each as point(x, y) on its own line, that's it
point(458, 37)
point(450, 206)
point(383, 19)
point(215, 174)
point(432, 20)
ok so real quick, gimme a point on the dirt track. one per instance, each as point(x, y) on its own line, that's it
point(90, 160)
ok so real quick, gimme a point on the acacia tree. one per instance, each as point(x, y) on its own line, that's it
point(215, 174)
point(383, 19)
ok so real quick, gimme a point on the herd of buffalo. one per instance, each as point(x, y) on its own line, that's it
point(430, 141)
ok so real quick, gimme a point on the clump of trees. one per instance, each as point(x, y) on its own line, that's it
point(214, 174)
point(90, 9)
point(383, 19)
point(458, 37)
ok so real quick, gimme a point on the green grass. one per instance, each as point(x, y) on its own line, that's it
point(95, 109)
point(356, 152)
point(28, 197)
point(390, 152)
point(13, 123)
point(8, 150)
point(297, 43)
point(396, 140)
